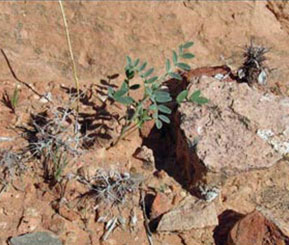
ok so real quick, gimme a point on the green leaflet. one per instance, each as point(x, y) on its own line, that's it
point(182, 96)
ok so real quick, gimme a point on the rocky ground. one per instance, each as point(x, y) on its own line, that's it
point(230, 189)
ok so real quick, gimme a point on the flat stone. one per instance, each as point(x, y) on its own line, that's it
point(37, 238)
point(191, 213)
point(241, 129)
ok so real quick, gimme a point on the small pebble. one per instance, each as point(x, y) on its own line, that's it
point(183, 194)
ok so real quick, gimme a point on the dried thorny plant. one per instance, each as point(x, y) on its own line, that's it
point(54, 131)
point(111, 187)
point(253, 69)
point(109, 193)
point(11, 163)
point(55, 139)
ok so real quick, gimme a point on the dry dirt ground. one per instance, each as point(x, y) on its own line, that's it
point(102, 34)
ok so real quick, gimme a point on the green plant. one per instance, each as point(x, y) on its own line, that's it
point(11, 101)
point(194, 97)
point(152, 104)
point(60, 161)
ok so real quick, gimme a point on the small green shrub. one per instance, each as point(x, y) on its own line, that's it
point(152, 104)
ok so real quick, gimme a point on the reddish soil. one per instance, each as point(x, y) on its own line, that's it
point(103, 33)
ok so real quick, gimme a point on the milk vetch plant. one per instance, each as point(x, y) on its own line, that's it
point(153, 103)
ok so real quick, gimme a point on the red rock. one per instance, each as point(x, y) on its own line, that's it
point(211, 72)
point(160, 205)
point(147, 128)
point(255, 229)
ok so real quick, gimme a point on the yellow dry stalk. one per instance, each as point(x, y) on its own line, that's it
point(71, 53)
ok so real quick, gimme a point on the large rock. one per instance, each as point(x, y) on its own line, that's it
point(37, 238)
point(256, 229)
point(191, 213)
point(241, 129)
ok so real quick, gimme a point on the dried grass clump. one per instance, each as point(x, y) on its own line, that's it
point(55, 139)
point(53, 131)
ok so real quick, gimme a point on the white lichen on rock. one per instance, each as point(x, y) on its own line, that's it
point(280, 146)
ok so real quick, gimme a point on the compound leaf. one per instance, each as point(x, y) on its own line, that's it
point(182, 96)
point(159, 124)
point(125, 100)
point(195, 95)
point(201, 100)
point(164, 118)
point(148, 91)
point(183, 66)
point(128, 61)
point(122, 91)
point(197, 98)
point(176, 76)
point(142, 67)
point(156, 85)
point(153, 107)
point(168, 65)
point(152, 80)
point(188, 56)
point(134, 87)
point(129, 74)
point(147, 73)
point(164, 109)
point(175, 57)
point(162, 96)
point(188, 44)
point(136, 62)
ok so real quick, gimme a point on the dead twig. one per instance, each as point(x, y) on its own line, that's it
point(146, 220)
point(20, 81)
point(71, 53)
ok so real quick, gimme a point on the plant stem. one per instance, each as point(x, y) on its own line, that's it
point(71, 53)
point(125, 132)
point(130, 130)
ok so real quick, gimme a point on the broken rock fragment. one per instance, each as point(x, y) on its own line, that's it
point(146, 155)
point(228, 135)
point(255, 229)
point(191, 213)
point(160, 205)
